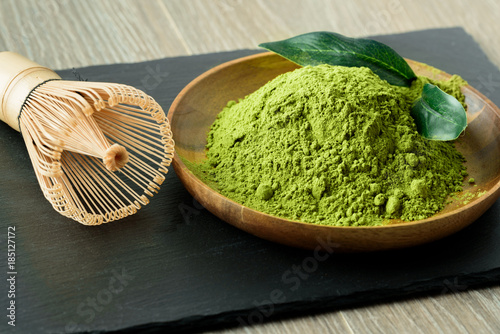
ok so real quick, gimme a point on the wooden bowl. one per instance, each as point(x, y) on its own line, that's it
point(196, 107)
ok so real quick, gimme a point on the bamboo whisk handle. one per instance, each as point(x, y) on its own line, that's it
point(18, 77)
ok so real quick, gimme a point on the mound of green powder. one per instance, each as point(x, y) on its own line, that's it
point(333, 145)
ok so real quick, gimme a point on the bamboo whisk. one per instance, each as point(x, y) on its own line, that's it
point(98, 149)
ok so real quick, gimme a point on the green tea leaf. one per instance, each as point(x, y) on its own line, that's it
point(330, 48)
point(439, 116)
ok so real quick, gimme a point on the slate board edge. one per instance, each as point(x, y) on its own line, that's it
point(423, 288)
point(204, 322)
point(75, 71)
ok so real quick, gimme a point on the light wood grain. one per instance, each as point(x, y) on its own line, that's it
point(70, 33)
point(474, 311)
point(64, 34)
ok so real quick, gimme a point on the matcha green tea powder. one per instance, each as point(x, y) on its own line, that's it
point(333, 145)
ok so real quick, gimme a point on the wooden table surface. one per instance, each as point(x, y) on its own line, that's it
point(64, 34)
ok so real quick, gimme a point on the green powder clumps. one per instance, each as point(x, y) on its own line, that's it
point(333, 145)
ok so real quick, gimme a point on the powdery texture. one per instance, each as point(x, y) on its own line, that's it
point(332, 145)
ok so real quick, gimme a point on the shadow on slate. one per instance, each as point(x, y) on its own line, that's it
point(174, 266)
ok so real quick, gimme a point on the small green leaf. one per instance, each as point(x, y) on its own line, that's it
point(330, 48)
point(439, 116)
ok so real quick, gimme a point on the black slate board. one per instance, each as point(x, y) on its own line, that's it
point(176, 267)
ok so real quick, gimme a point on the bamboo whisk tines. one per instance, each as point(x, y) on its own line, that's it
point(99, 150)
